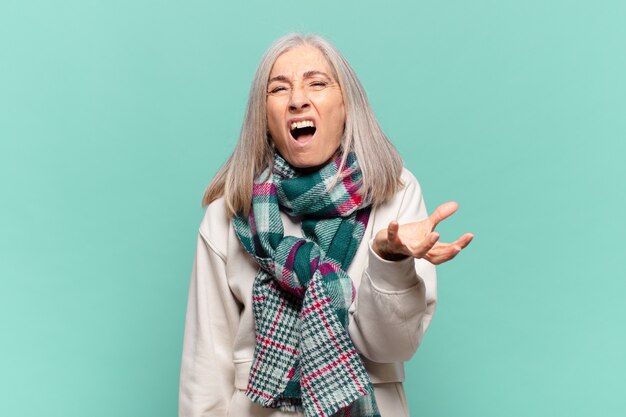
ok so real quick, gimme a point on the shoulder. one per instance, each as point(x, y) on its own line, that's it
point(409, 193)
point(410, 183)
point(215, 226)
point(406, 205)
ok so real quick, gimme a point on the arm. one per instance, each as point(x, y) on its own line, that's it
point(396, 299)
point(207, 372)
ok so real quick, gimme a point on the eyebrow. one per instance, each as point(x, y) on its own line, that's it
point(307, 74)
point(278, 78)
point(313, 73)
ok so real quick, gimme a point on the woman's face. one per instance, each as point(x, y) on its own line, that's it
point(305, 112)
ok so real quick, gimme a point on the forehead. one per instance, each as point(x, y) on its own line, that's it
point(295, 62)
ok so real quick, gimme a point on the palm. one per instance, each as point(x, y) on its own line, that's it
point(419, 240)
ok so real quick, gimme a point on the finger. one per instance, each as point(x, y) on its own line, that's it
point(438, 260)
point(459, 244)
point(442, 212)
point(464, 240)
point(392, 231)
point(442, 253)
point(394, 245)
point(443, 249)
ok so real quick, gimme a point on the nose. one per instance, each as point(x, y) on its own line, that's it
point(299, 100)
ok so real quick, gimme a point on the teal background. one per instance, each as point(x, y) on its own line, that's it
point(114, 115)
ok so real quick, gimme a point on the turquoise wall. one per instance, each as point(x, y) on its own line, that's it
point(114, 115)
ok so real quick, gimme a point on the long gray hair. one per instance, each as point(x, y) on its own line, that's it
point(379, 160)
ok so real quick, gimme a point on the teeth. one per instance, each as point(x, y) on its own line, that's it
point(300, 125)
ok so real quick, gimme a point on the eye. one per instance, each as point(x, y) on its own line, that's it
point(318, 85)
point(278, 90)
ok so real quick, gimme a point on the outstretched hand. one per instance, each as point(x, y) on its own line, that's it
point(419, 240)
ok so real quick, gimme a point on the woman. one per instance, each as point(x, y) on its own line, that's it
point(314, 277)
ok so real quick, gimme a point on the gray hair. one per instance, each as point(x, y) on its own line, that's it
point(379, 160)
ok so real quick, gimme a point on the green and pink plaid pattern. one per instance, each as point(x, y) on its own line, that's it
point(304, 358)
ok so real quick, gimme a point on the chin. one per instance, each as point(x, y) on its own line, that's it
point(310, 165)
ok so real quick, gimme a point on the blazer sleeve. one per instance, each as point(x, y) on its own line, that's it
point(395, 300)
point(207, 372)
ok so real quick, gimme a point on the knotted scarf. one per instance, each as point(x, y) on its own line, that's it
point(304, 358)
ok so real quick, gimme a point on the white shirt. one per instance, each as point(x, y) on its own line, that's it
point(394, 305)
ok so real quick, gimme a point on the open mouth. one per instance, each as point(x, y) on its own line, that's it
point(302, 130)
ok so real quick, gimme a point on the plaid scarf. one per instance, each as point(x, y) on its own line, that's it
point(304, 358)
